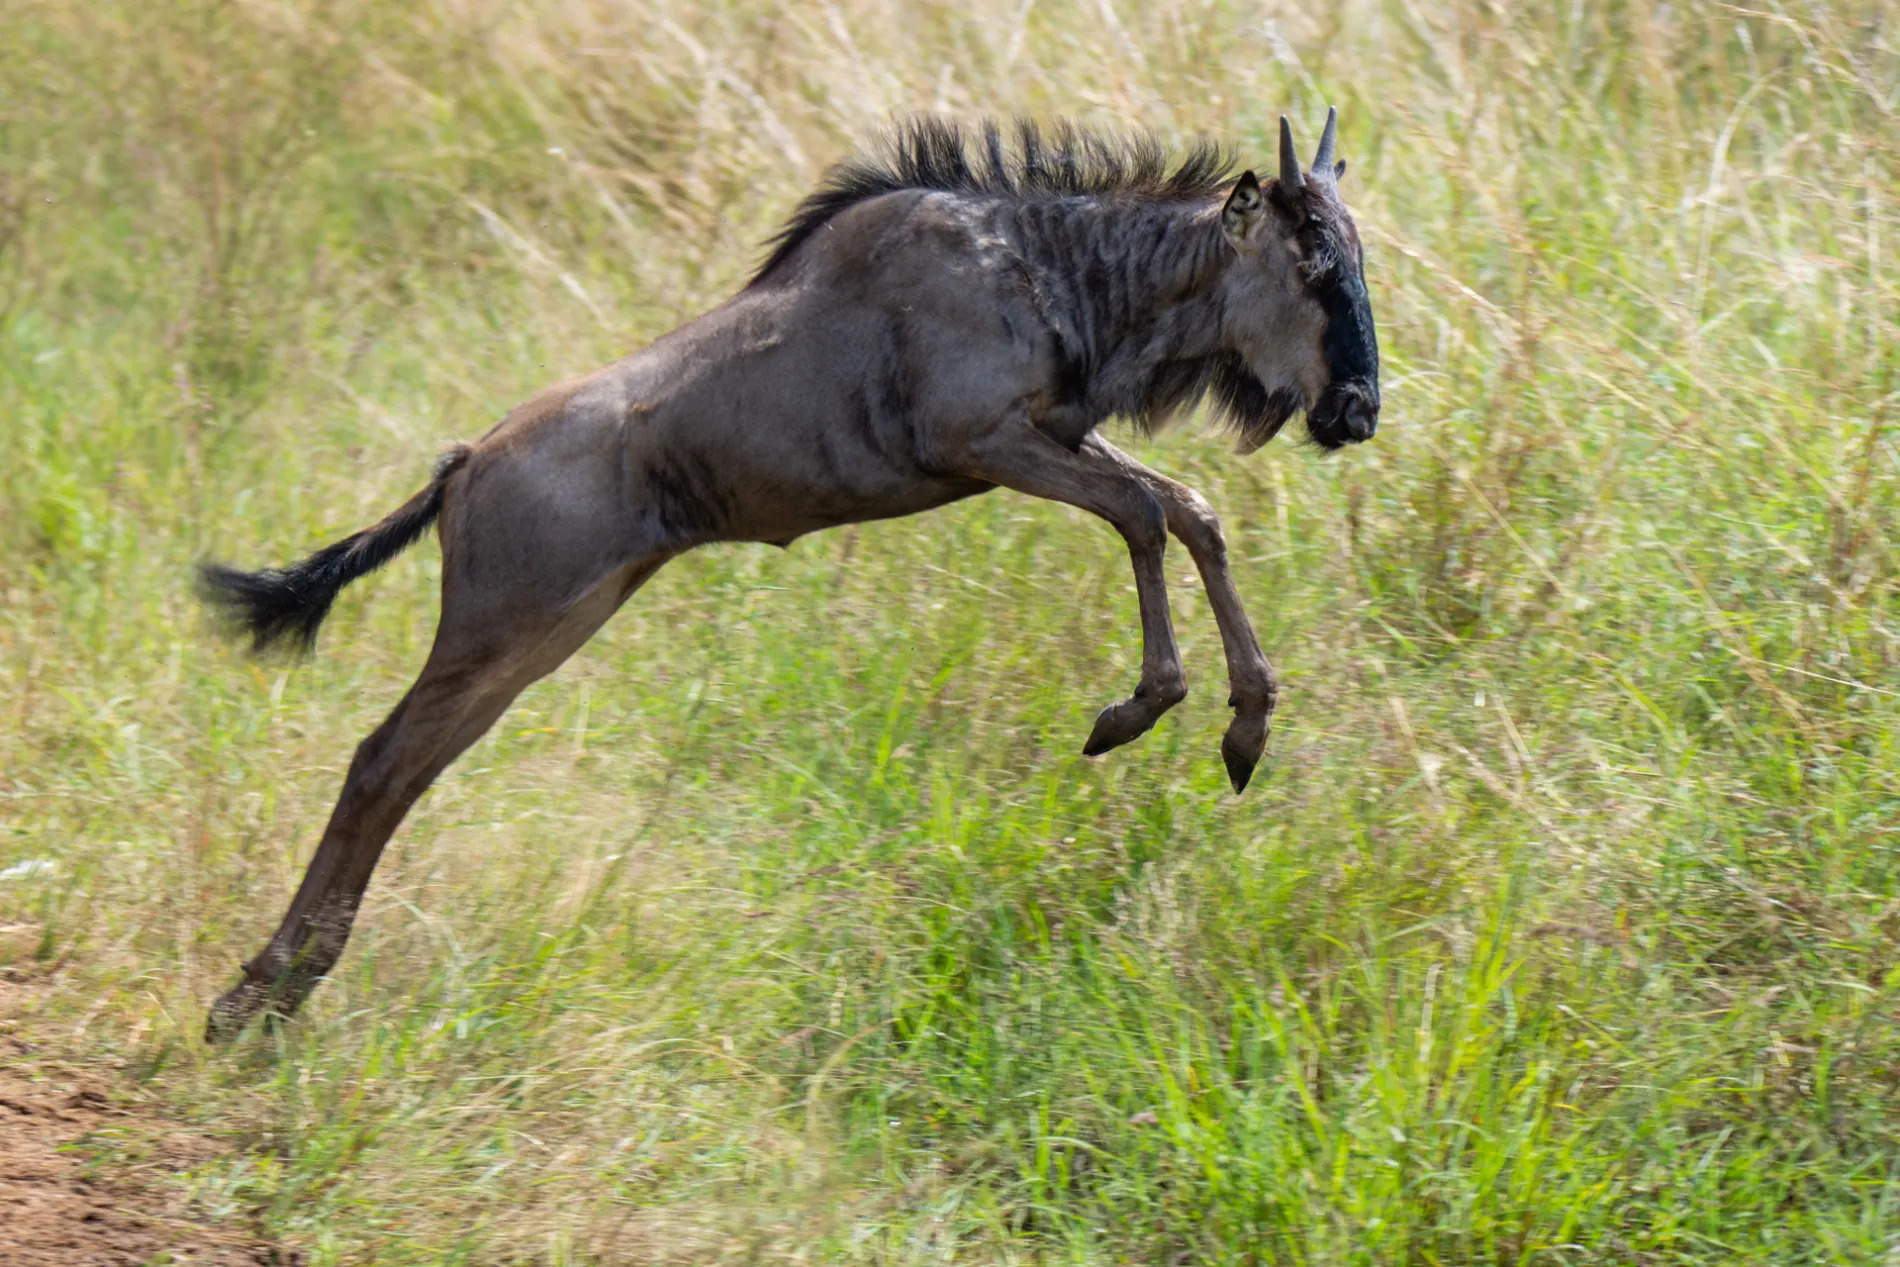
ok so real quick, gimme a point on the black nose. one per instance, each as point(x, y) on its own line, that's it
point(1347, 413)
point(1362, 419)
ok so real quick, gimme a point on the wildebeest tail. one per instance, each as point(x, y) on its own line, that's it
point(280, 603)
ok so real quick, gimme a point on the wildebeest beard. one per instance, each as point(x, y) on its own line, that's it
point(1241, 400)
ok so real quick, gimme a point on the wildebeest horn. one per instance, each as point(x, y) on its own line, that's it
point(1323, 161)
point(1290, 177)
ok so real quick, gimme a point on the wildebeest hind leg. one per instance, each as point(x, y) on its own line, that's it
point(481, 660)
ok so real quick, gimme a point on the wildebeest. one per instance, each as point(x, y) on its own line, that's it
point(960, 312)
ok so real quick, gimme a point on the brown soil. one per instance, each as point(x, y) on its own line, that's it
point(82, 1169)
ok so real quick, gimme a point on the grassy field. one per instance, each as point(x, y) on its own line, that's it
point(786, 923)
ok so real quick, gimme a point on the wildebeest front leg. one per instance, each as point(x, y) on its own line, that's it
point(1251, 683)
point(1020, 457)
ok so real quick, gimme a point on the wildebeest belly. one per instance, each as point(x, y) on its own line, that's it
point(776, 488)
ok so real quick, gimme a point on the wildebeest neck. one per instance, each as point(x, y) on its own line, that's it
point(1117, 271)
point(1125, 287)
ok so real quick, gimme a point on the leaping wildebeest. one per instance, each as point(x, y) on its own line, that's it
point(958, 313)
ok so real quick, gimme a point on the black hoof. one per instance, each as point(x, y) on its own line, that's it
point(243, 1003)
point(1116, 725)
point(233, 1010)
point(1240, 749)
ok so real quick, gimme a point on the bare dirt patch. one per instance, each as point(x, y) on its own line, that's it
point(82, 1165)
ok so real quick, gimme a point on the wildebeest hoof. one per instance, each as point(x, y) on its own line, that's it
point(1117, 724)
point(243, 1003)
point(1241, 746)
point(234, 1010)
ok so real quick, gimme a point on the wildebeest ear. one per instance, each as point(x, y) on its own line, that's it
point(1243, 209)
point(1339, 169)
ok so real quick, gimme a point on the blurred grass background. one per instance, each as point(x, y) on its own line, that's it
point(785, 923)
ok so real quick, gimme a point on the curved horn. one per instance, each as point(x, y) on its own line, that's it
point(1323, 161)
point(1290, 177)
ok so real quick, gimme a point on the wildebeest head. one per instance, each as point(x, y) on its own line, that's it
point(1295, 310)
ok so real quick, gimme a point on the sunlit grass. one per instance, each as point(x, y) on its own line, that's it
point(786, 922)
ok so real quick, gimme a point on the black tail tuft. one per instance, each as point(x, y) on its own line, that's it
point(279, 603)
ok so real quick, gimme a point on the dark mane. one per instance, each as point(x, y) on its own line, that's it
point(1066, 161)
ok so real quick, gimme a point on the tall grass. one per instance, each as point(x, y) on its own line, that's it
point(786, 923)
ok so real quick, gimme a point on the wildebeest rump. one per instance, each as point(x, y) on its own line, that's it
point(957, 314)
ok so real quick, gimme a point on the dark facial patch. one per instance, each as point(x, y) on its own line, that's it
point(1348, 409)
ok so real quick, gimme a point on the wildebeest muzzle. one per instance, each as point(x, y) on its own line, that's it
point(1347, 413)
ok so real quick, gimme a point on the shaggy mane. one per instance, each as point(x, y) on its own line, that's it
point(1066, 161)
